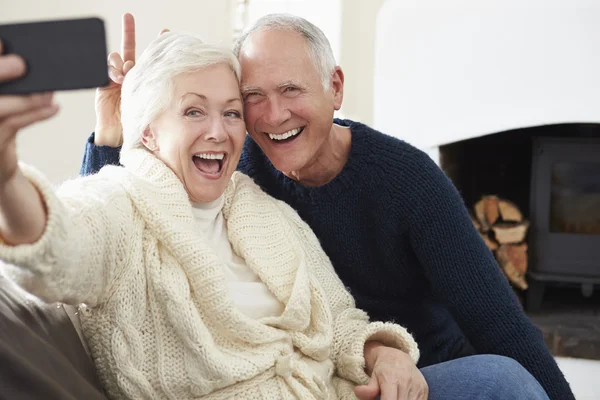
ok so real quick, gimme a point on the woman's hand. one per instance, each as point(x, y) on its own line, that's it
point(17, 112)
point(108, 131)
point(394, 376)
point(22, 214)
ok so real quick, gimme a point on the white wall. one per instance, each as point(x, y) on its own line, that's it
point(326, 14)
point(56, 146)
point(357, 55)
point(449, 70)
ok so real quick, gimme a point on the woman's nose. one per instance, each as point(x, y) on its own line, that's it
point(216, 131)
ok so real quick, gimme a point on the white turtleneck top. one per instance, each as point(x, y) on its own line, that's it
point(249, 293)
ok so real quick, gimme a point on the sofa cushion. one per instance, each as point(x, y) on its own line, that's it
point(41, 355)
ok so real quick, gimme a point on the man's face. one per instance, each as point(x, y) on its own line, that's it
point(288, 112)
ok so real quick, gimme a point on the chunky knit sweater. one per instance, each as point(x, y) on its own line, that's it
point(400, 238)
point(158, 320)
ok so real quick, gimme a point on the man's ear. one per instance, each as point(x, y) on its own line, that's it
point(337, 85)
point(149, 140)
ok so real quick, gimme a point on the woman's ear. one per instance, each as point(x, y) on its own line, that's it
point(149, 140)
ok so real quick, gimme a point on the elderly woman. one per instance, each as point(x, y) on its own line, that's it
point(196, 284)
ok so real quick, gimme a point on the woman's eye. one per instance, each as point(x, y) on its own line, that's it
point(193, 113)
point(234, 114)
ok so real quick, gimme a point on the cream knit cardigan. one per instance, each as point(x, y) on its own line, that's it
point(158, 319)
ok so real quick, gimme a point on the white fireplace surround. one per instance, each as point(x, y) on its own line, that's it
point(449, 70)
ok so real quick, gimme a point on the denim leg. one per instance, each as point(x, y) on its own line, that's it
point(482, 377)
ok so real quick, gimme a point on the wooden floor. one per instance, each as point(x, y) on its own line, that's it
point(570, 322)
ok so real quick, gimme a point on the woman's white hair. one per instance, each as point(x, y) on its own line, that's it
point(319, 49)
point(148, 88)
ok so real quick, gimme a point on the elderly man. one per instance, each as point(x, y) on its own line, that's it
point(393, 225)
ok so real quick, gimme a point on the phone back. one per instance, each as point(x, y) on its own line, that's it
point(60, 55)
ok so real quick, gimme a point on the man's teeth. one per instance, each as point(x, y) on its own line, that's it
point(286, 135)
point(210, 156)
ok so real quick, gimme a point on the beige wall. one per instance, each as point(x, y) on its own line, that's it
point(357, 57)
point(56, 146)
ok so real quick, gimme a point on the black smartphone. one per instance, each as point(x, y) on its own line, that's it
point(60, 55)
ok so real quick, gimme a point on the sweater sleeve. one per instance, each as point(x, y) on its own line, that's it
point(96, 157)
point(465, 276)
point(74, 261)
point(351, 326)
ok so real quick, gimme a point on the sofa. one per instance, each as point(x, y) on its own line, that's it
point(42, 354)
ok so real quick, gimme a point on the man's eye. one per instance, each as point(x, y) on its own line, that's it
point(252, 97)
point(291, 91)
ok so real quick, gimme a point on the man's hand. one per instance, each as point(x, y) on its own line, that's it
point(108, 131)
point(394, 376)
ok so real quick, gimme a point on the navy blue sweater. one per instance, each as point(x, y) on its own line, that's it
point(401, 240)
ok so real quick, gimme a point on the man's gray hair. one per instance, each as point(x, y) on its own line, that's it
point(148, 88)
point(319, 49)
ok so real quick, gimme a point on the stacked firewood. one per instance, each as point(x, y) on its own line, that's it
point(504, 230)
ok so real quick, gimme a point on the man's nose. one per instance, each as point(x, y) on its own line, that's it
point(276, 113)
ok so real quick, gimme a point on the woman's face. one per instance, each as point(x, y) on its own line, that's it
point(201, 134)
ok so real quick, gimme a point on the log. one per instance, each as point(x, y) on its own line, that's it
point(506, 233)
point(509, 212)
point(489, 242)
point(476, 223)
point(513, 261)
point(515, 254)
point(490, 206)
point(480, 215)
point(486, 211)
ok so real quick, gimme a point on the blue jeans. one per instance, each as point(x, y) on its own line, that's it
point(482, 377)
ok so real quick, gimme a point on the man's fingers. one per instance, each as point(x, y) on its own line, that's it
point(115, 60)
point(127, 66)
point(407, 392)
point(115, 75)
point(389, 391)
point(128, 38)
point(115, 67)
point(368, 391)
point(417, 392)
point(11, 67)
point(11, 105)
point(19, 121)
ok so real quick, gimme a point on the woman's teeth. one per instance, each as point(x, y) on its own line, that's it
point(286, 135)
point(210, 156)
point(209, 163)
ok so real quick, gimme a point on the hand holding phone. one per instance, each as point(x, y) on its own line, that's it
point(17, 112)
point(59, 55)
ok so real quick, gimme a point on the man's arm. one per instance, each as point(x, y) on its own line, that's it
point(464, 274)
point(103, 146)
point(95, 157)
